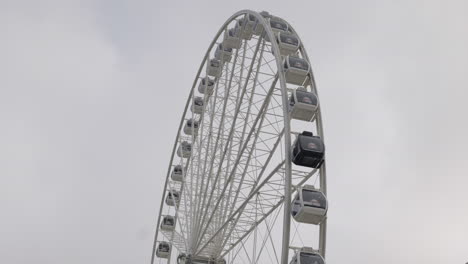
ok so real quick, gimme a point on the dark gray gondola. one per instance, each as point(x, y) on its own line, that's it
point(197, 105)
point(206, 86)
point(177, 173)
point(168, 223)
point(308, 150)
point(309, 205)
point(303, 104)
point(296, 70)
point(191, 127)
point(163, 250)
point(184, 150)
point(215, 68)
point(232, 39)
point(224, 54)
point(288, 43)
point(173, 198)
point(307, 256)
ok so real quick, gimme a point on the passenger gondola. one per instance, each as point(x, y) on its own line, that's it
point(232, 39)
point(258, 30)
point(184, 150)
point(197, 105)
point(168, 223)
point(163, 250)
point(288, 43)
point(206, 86)
point(173, 198)
point(224, 54)
point(277, 25)
point(303, 104)
point(308, 150)
point(309, 206)
point(246, 32)
point(307, 256)
point(191, 127)
point(296, 70)
point(177, 173)
point(215, 68)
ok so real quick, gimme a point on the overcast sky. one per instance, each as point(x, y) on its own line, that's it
point(91, 94)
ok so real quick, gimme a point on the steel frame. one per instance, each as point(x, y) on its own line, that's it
point(241, 197)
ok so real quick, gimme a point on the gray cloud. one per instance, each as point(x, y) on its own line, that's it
point(91, 94)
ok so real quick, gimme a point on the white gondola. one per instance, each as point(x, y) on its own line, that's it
point(215, 68)
point(206, 86)
point(224, 54)
point(247, 31)
point(191, 127)
point(197, 105)
point(177, 173)
point(184, 150)
point(308, 150)
point(258, 30)
point(232, 39)
point(288, 43)
point(309, 206)
point(173, 198)
point(303, 104)
point(296, 70)
point(307, 256)
point(168, 223)
point(163, 250)
point(277, 25)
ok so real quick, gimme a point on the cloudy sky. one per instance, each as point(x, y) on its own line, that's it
point(91, 93)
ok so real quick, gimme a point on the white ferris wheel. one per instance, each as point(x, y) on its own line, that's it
point(246, 182)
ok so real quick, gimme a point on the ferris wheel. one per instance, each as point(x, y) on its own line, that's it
point(246, 181)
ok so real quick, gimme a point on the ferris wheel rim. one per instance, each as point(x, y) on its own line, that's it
point(287, 127)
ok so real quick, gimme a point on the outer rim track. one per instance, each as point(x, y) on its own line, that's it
point(287, 131)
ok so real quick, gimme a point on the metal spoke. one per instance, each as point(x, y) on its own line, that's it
point(239, 177)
